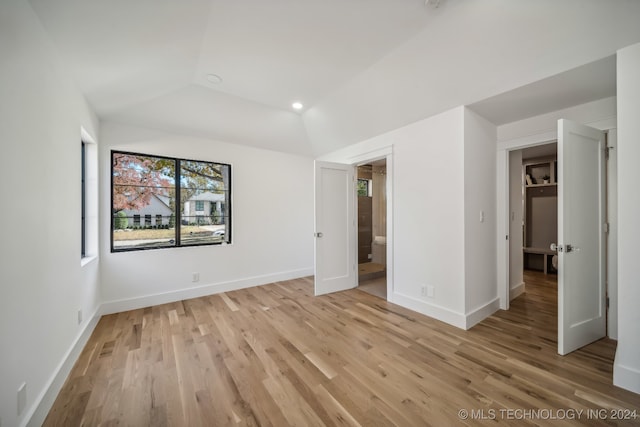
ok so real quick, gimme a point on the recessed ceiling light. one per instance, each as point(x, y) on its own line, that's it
point(214, 78)
point(297, 105)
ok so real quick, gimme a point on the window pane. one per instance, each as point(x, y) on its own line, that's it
point(363, 187)
point(142, 186)
point(204, 198)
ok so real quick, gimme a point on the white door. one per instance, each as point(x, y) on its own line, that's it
point(581, 237)
point(335, 248)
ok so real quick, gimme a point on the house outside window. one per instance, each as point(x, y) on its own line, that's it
point(159, 219)
point(199, 205)
point(147, 219)
point(136, 220)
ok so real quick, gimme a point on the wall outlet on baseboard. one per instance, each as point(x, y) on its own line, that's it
point(195, 277)
point(428, 291)
point(22, 398)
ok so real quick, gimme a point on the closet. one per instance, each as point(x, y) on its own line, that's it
point(540, 212)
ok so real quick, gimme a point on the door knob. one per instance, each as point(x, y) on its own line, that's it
point(560, 248)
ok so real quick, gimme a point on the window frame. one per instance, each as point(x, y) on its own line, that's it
point(178, 213)
point(83, 201)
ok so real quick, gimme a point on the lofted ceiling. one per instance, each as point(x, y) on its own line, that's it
point(360, 67)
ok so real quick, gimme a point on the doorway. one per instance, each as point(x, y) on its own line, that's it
point(371, 188)
point(532, 204)
point(533, 174)
point(533, 227)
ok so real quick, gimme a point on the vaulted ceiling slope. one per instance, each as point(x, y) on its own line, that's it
point(361, 67)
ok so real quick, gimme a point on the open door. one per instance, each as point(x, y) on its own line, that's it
point(581, 236)
point(335, 229)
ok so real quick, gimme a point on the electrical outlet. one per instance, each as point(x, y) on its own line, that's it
point(427, 291)
point(22, 397)
point(431, 291)
point(79, 317)
point(195, 277)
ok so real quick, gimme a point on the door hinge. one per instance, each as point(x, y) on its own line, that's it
point(606, 151)
point(506, 237)
point(607, 302)
point(605, 227)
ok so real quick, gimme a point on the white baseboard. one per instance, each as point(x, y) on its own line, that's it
point(118, 306)
point(479, 314)
point(432, 310)
point(626, 377)
point(43, 403)
point(516, 291)
point(447, 315)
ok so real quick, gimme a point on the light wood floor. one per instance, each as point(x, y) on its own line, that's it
point(275, 356)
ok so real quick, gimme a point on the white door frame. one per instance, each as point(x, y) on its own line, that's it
point(370, 156)
point(502, 208)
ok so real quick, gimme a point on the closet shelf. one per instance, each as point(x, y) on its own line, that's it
point(551, 184)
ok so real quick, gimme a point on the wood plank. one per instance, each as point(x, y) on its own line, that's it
point(276, 355)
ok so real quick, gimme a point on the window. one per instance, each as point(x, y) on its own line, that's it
point(168, 189)
point(83, 201)
point(88, 245)
point(364, 187)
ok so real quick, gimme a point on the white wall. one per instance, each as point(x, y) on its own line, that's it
point(42, 282)
point(479, 217)
point(516, 281)
point(428, 221)
point(272, 220)
point(429, 225)
point(626, 370)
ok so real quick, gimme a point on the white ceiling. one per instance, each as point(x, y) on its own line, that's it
point(361, 67)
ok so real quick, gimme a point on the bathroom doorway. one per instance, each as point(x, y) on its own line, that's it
point(372, 227)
